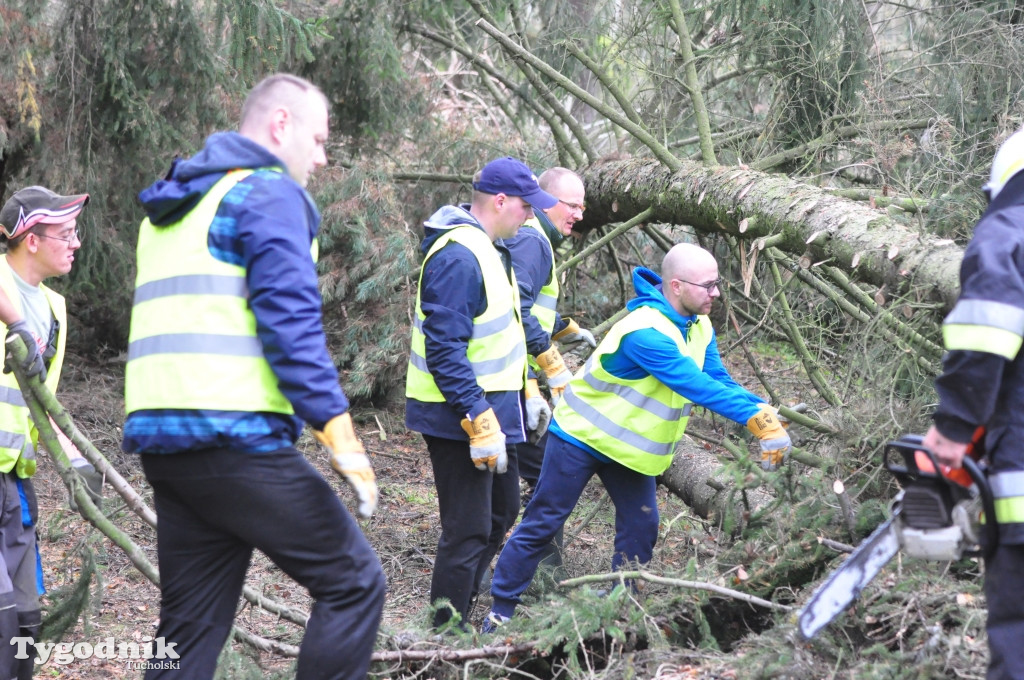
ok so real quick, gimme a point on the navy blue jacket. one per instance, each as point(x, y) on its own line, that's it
point(533, 263)
point(650, 352)
point(266, 223)
point(451, 295)
point(981, 388)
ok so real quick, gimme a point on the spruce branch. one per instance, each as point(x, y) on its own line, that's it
point(604, 240)
point(872, 307)
point(561, 139)
point(700, 112)
point(602, 76)
point(644, 137)
point(796, 338)
point(904, 332)
point(545, 92)
point(677, 583)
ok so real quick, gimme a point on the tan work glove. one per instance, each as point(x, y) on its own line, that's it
point(573, 333)
point(486, 442)
point(554, 368)
point(348, 458)
point(775, 441)
point(538, 413)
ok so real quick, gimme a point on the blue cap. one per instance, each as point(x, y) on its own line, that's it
point(511, 177)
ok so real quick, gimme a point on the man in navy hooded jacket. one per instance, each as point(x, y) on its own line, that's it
point(623, 414)
point(227, 359)
point(466, 374)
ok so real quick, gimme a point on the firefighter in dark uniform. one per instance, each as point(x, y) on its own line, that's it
point(982, 383)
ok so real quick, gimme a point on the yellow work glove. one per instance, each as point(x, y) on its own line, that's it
point(554, 368)
point(573, 333)
point(775, 441)
point(348, 458)
point(538, 413)
point(486, 442)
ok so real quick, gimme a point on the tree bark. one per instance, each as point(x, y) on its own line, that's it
point(692, 478)
point(800, 219)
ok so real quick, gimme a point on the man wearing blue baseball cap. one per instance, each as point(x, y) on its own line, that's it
point(466, 374)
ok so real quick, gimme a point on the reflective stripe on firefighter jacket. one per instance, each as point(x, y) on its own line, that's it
point(543, 308)
point(636, 423)
point(497, 348)
point(18, 434)
point(1008, 493)
point(193, 341)
point(984, 326)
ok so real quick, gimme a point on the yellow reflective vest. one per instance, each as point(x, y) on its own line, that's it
point(18, 434)
point(497, 348)
point(543, 308)
point(636, 423)
point(192, 342)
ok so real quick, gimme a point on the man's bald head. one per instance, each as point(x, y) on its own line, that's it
point(684, 259)
point(686, 272)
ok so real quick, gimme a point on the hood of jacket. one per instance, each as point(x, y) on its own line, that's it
point(168, 200)
point(647, 285)
point(445, 219)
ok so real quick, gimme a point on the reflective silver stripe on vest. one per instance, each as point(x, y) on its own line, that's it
point(494, 326)
point(641, 401)
point(614, 430)
point(192, 284)
point(546, 301)
point(988, 313)
point(15, 440)
point(12, 396)
point(480, 368)
point(196, 343)
point(1007, 484)
point(483, 330)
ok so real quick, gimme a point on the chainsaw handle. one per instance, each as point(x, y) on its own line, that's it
point(988, 504)
point(910, 445)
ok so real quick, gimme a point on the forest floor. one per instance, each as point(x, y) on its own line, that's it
point(124, 606)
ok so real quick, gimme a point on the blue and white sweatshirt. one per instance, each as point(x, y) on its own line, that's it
point(266, 223)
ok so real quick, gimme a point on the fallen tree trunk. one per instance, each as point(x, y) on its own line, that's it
point(692, 478)
point(776, 210)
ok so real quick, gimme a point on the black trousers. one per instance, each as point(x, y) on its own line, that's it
point(1004, 579)
point(531, 457)
point(214, 507)
point(478, 507)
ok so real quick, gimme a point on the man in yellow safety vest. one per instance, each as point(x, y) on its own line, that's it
point(466, 374)
point(622, 415)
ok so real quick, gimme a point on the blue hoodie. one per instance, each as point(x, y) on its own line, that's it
point(650, 352)
point(451, 295)
point(266, 223)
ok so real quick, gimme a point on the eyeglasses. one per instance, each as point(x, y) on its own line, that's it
point(574, 206)
point(69, 239)
point(706, 286)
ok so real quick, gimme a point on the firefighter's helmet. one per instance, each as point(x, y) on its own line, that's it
point(1008, 162)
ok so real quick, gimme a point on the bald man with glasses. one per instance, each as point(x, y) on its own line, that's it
point(623, 414)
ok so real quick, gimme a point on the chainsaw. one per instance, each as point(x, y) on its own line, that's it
point(936, 516)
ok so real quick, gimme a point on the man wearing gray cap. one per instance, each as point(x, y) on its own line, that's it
point(41, 234)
